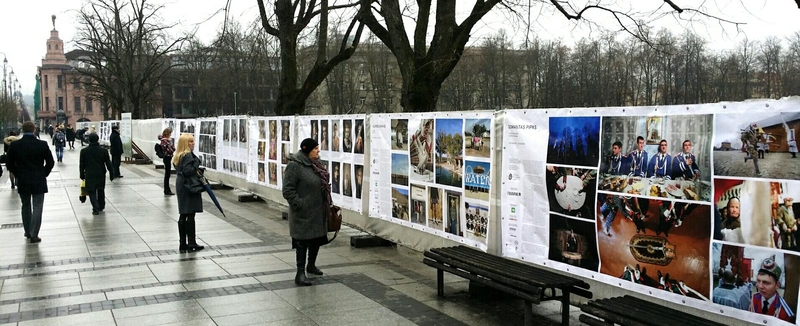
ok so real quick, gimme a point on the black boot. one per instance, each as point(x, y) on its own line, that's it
point(311, 268)
point(191, 235)
point(300, 278)
point(182, 233)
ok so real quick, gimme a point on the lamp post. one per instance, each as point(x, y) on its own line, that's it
point(234, 103)
point(5, 63)
point(11, 82)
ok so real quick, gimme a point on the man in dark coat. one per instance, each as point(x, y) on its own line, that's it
point(116, 152)
point(82, 135)
point(93, 165)
point(31, 161)
point(70, 137)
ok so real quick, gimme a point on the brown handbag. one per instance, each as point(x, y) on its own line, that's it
point(334, 221)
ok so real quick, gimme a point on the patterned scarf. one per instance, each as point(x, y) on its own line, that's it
point(324, 176)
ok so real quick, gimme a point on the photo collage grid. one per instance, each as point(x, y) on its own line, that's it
point(272, 148)
point(207, 143)
point(342, 142)
point(441, 173)
point(234, 150)
point(637, 198)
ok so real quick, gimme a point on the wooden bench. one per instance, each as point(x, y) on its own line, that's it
point(524, 281)
point(628, 310)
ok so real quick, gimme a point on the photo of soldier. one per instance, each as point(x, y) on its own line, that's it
point(661, 163)
point(765, 278)
point(638, 159)
point(574, 141)
point(684, 164)
point(574, 242)
point(740, 139)
point(674, 258)
point(615, 163)
point(571, 191)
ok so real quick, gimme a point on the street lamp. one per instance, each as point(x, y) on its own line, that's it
point(5, 63)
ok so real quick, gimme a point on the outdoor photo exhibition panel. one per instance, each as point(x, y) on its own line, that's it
point(342, 140)
point(172, 125)
point(233, 151)
point(270, 149)
point(105, 130)
point(206, 142)
point(185, 126)
point(694, 205)
point(431, 172)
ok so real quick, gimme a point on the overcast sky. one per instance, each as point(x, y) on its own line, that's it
point(25, 25)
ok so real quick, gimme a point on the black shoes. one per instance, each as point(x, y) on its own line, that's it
point(169, 193)
point(194, 247)
point(301, 279)
point(36, 240)
point(95, 212)
point(313, 270)
point(27, 236)
point(183, 248)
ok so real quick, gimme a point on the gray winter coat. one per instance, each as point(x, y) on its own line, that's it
point(187, 202)
point(302, 188)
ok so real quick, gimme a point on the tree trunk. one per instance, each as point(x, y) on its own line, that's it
point(419, 95)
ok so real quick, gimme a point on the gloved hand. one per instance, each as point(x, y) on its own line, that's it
point(111, 177)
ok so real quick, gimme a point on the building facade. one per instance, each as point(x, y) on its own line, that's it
point(63, 98)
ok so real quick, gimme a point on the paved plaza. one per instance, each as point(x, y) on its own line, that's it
point(122, 267)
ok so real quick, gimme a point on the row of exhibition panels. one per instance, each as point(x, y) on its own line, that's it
point(373, 220)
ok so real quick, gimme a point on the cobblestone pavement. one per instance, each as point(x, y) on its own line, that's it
point(122, 267)
point(774, 165)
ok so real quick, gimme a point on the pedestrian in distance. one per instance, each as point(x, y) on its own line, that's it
point(31, 161)
point(70, 136)
point(60, 141)
point(116, 152)
point(308, 192)
point(189, 204)
point(94, 162)
point(165, 140)
point(82, 135)
point(12, 136)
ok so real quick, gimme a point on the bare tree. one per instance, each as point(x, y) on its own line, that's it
point(291, 18)
point(128, 53)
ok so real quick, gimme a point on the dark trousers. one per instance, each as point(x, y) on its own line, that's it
point(300, 257)
point(167, 173)
point(116, 160)
point(32, 205)
point(98, 199)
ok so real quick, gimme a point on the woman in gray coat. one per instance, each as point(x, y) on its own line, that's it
point(187, 164)
point(308, 191)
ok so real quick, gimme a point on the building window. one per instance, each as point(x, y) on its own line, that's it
point(88, 104)
point(391, 84)
point(46, 84)
point(47, 103)
point(362, 86)
point(59, 81)
point(362, 100)
point(76, 83)
point(77, 105)
point(60, 103)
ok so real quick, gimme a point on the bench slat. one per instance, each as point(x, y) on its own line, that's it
point(630, 309)
point(511, 269)
point(523, 295)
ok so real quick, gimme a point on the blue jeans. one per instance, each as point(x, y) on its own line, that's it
point(59, 153)
point(609, 213)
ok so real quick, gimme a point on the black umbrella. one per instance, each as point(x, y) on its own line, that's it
point(211, 194)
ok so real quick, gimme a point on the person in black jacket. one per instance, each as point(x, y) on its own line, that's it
point(93, 165)
point(31, 161)
point(188, 165)
point(82, 135)
point(70, 136)
point(116, 152)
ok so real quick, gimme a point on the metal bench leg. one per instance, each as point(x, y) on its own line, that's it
point(564, 307)
point(440, 282)
point(528, 313)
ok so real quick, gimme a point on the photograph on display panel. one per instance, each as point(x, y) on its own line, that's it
point(360, 136)
point(758, 280)
point(359, 174)
point(286, 129)
point(262, 130)
point(323, 141)
point(400, 203)
point(314, 130)
point(477, 179)
point(677, 168)
point(273, 140)
point(663, 244)
point(400, 134)
point(336, 177)
point(757, 146)
point(400, 169)
point(574, 242)
point(243, 130)
point(261, 173)
point(571, 191)
point(418, 203)
point(273, 173)
point(420, 151)
point(347, 136)
point(477, 137)
point(453, 213)
point(759, 213)
point(285, 152)
point(573, 141)
point(476, 220)
point(435, 200)
point(449, 146)
point(347, 183)
point(336, 140)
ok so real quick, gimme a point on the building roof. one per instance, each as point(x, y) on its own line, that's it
point(75, 54)
point(778, 119)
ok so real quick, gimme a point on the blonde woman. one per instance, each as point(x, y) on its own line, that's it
point(187, 164)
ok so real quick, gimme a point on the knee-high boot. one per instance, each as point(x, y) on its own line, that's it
point(312, 261)
point(300, 278)
point(182, 233)
point(191, 235)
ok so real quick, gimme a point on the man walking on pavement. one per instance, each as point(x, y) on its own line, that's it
point(31, 161)
point(93, 165)
point(116, 152)
point(60, 141)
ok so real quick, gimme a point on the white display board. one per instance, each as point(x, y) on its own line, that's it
point(432, 172)
point(690, 204)
point(270, 149)
point(342, 141)
point(232, 154)
point(206, 142)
